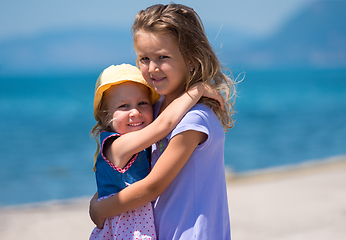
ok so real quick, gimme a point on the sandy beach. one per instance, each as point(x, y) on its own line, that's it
point(307, 201)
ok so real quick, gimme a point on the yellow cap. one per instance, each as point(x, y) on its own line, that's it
point(115, 75)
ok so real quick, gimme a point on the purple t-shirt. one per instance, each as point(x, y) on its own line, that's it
point(195, 206)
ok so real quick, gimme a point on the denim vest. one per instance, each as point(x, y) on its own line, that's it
point(111, 179)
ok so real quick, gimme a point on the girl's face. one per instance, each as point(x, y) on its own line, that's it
point(129, 106)
point(161, 63)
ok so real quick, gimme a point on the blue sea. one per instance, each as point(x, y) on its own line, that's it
point(282, 118)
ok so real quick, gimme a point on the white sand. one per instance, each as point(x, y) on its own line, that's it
point(60, 220)
point(298, 204)
point(307, 202)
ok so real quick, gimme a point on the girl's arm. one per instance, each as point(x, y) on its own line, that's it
point(123, 148)
point(172, 160)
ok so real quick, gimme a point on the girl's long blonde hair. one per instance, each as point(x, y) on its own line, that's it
point(183, 24)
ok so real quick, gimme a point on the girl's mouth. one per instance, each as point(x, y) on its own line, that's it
point(157, 79)
point(135, 124)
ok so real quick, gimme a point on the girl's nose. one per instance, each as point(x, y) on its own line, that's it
point(134, 112)
point(153, 68)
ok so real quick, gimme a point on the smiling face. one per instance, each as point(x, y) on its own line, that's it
point(161, 63)
point(129, 107)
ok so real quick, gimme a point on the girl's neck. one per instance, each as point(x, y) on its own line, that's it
point(163, 105)
point(171, 97)
point(166, 101)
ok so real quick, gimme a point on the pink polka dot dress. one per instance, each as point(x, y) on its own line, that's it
point(132, 225)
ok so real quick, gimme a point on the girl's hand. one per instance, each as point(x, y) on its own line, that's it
point(93, 213)
point(209, 92)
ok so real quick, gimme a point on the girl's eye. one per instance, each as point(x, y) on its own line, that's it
point(162, 57)
point(143, 103)
point(144, 60)
point(123, 106)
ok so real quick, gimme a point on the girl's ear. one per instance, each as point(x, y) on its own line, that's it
point(102, 110)
point(191, 64)
point(103, 116)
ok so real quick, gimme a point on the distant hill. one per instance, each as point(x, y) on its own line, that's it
point(315, 37)
point(78, 50)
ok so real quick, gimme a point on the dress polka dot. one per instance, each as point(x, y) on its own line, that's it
point(136, 224)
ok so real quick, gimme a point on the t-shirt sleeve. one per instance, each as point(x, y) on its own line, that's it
point(195, 120)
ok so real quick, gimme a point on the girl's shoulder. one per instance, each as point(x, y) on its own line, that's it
point(202, 111)
point(200, 118)
point(106, 135)
point(201, 107)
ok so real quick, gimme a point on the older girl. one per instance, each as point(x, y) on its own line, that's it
point(187, 182)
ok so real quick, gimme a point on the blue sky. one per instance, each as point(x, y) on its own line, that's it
point(20, 18)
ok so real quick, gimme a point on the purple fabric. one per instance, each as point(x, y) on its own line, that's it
point(195, 205)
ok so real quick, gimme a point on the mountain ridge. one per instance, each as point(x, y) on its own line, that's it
point(315, 38)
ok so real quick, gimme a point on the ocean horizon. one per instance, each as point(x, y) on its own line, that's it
point(283, 118)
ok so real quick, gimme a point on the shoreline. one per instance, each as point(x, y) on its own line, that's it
point(273, 173)
point(302, 201)
point(231, 178)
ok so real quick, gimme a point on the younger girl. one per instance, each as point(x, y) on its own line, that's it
point(187, 181)
point(123, 109)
